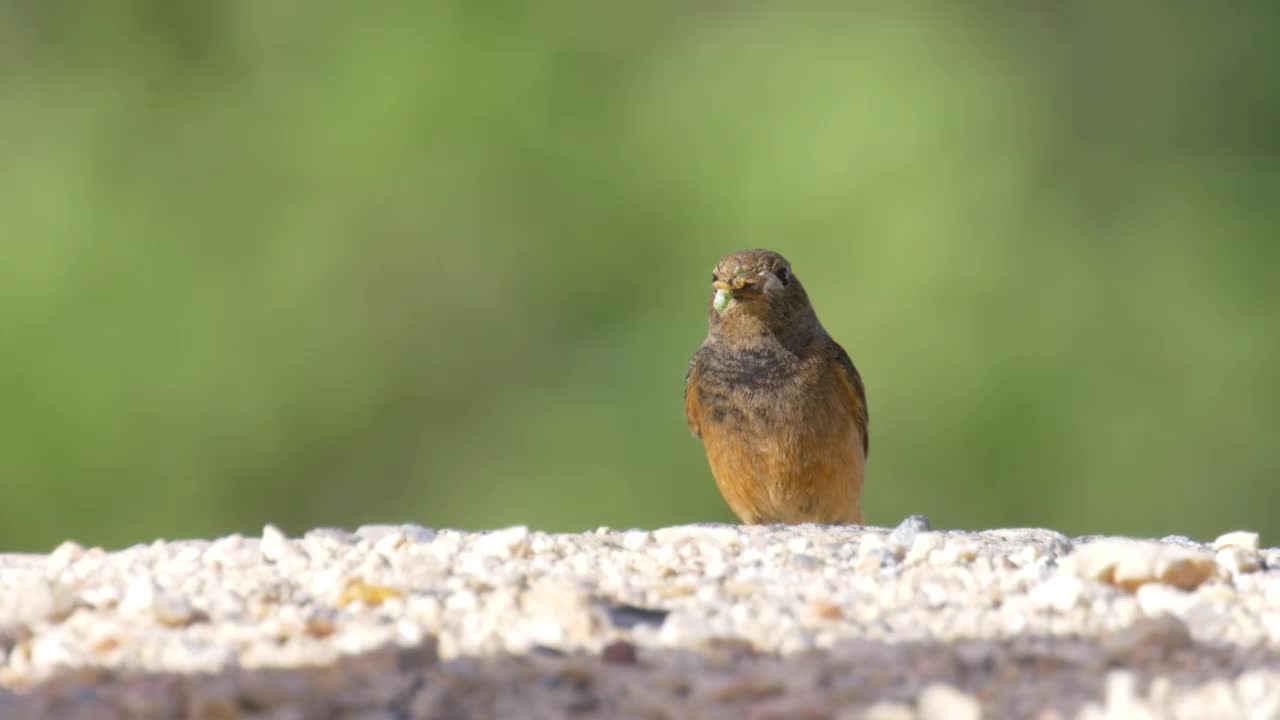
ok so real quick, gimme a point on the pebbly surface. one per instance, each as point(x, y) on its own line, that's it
point(700, 621)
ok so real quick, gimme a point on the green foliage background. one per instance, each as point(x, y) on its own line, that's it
point(445, 262)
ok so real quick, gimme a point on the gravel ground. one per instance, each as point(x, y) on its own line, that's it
point(698, 621)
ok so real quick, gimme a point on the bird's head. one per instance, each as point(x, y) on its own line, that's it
point(756, 291)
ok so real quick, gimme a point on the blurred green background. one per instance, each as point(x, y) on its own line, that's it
point(445, 262)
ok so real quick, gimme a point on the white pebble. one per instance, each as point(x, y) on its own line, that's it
point(635, 539)
point(1061, 592)
point(502, 543)
point(1242, 539)
point(1158, 598)
point(274, 543)
point(1235, 561)
point(940, 701)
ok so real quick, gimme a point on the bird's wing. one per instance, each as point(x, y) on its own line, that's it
point(692, 410)
point(857, 392)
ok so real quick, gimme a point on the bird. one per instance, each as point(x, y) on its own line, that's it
point(779, 406)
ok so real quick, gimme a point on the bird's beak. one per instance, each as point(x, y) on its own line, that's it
point(740, 286)
point(743, 285)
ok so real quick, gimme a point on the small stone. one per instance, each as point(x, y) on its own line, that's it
point(321, 623)
point(1235, 561)
point(922, 546)
point(418, 533)
point(619, 652)
point(741, 589)
point(274, 543)
point(66, 554)
point(716, 567)
point(329, 536)
point(558, 613)
point(101, 597)
point(503, 543)
point(940, 701)
point(874, 544)
point(28, 598)
point(954, 552)
point(1240, 539)
point(52, 651)
point(1205, 619)
point(370, 594)
point(869, 562)
point(1061, 592)
point(1025, 556)
point(1122, 696)
point(373, 533)
point(462, 601)
point(388, 544)
point(904, 536)
point(230, 549)
point(1159, 635)
point(174, 610)
point(1014, 623)
point(1158, 598)
point(139, 598)
point(1186, 573)
point(1160, 690)
point(1129, 564)
point(935, 595)
point(629, 617)
point(826, 610)
point(635, 539)
point(683, 629)
point(675, 590)
point(875, 551)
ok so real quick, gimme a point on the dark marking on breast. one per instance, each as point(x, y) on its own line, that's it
point(720, 413)
point(759, 367)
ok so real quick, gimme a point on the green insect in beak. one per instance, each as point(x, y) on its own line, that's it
point(722, 300)
point(724, 291)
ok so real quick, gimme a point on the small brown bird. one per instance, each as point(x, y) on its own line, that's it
point(778, 404)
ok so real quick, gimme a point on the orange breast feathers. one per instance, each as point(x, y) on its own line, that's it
point(791, 452)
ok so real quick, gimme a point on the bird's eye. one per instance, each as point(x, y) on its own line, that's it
point(784, 277)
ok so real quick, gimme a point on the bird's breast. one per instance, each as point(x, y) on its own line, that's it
point(780, 437)
point(763, 391)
